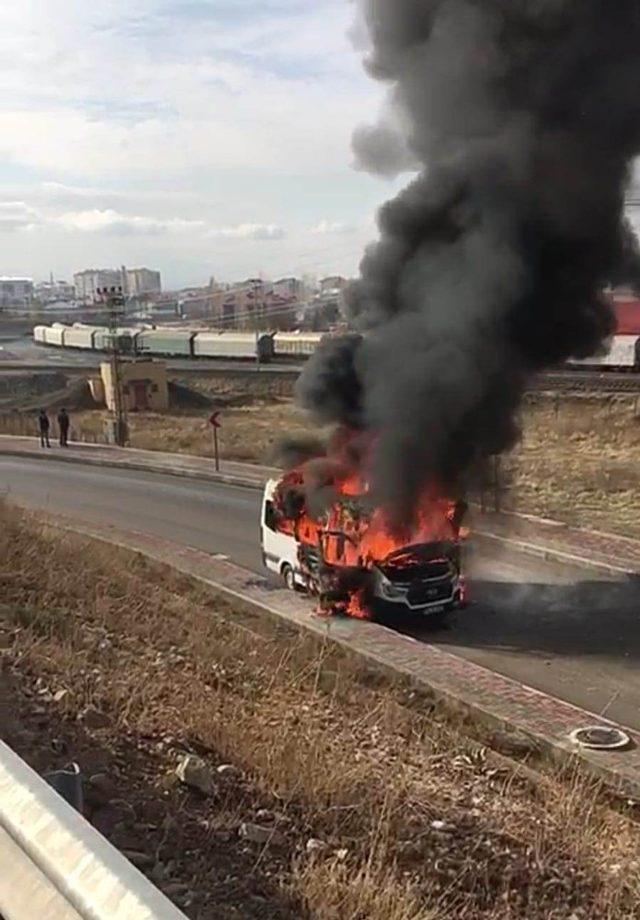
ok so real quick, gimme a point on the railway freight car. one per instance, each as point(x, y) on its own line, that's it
point(622, 354)
point(40, 335)
point(627, 311)
point(102, 340)
point(297, 344)
point(171, 343)
point(123, 340)
point(54, 335)
point(238, 346)
point(80, 336)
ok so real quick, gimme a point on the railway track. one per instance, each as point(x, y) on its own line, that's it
point(588, 382)
point(557, 381)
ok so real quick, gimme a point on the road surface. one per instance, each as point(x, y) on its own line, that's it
point(544, 624)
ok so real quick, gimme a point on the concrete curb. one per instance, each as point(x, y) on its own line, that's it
point(550, 554)
point(458, 686)
point(137, 466)
point(554, 555)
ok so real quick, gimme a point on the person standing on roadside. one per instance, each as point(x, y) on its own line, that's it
point(44, 426)
point(63, 424)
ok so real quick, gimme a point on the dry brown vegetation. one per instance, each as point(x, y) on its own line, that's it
point(250, 433)
point(414, 821)
point(578, 462)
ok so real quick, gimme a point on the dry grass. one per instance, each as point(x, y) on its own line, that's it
point(333, 889)
point(578, 462)
point(242, 385)
point(417, 822)
point(250, 433)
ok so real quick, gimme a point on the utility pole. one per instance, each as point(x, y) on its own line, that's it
point(114, 300)
point(256, 314)
point(215, 423)
point(125, 287)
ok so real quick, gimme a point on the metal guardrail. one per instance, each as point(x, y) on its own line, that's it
point(55, 866)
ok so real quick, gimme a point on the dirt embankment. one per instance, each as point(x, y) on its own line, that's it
point(262, 385)
point(23, 394)
point(328, 794)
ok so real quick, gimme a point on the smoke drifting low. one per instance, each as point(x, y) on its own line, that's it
point(524, 116)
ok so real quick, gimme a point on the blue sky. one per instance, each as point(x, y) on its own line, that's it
point(197, 136)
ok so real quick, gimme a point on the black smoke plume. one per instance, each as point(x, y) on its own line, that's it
point(382, 149)
point(524, 116)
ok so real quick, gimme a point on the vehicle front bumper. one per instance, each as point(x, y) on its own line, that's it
point(401, 605)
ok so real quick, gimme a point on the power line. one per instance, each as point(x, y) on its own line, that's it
point(245, 314)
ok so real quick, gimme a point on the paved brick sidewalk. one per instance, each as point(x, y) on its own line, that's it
point(531, 534)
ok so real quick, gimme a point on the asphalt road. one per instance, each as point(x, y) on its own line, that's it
point(547, 625)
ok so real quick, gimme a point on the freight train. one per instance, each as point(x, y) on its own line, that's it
point(173, 342)
point(622, 353)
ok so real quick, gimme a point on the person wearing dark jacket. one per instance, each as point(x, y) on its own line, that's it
point(44, 425)
point(63, 425)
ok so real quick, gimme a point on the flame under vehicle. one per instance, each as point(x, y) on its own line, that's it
point(350, 560)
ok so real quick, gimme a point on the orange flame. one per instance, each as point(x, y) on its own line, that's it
point(352, 537)
point(357, 608)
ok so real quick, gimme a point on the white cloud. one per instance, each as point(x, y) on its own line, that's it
point(113, 222)
point(59, 192)
point(110, 88)
point(17, 215)
point(146, 129)
point(250, 232)
point(328, 227)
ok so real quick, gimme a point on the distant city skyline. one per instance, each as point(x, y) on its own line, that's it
point(227, 283)
point(206, 138)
